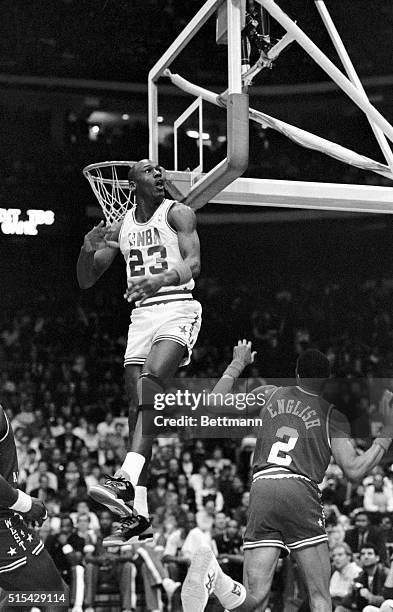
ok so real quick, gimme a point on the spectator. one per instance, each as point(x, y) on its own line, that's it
point(345, 572)
point(83, 509)
point(217, 462)
point(363, 532)
point(68, 442)
point(44, 492)
point(66, 550)
point(33, 481)
point(186, 495)
point(369, 584)
point(107, 565)
point(240, 513)
point(209, 492)
point(378, 494)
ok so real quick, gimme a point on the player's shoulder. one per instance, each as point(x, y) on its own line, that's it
point(266, 390)
point(338, 423)
point(180, 215)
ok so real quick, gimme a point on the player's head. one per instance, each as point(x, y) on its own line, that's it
point(147, 179)
point(312, 370)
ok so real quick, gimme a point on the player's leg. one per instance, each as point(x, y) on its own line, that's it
point(314, 565)
point(118, 492)
point(160, 365)
point(38, 574)
point(259, 568)
point(205, 576)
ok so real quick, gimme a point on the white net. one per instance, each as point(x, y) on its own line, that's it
point(111, 187)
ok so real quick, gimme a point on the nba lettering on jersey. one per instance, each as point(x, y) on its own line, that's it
point(146, 237)
point(296, 408)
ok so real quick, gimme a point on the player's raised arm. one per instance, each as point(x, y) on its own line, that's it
point(243, 355)
point(353, 465)
point(98, 251)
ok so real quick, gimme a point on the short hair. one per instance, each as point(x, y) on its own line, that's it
point(313, 364)
point(345, 547)
point(368, 545)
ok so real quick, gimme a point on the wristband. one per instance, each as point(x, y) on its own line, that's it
point(23, 502)
point(383, 443)
point(234, 369)
point(67, 549)
point(184, 272)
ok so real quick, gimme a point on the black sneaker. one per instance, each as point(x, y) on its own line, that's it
point(114, 494)
point(131, 529)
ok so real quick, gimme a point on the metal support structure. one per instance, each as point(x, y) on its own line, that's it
point(165, 61)
point(352, 75)
point(301, 137)
point(236, 161)
point(324, 62)
point(196, 105)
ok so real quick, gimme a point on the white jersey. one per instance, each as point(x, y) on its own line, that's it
point(152, 248)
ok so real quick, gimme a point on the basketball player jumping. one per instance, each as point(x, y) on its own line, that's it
point(160, 245)
point(25, 565)
point(300, 432)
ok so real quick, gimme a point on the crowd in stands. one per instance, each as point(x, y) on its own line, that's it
point(61, 380)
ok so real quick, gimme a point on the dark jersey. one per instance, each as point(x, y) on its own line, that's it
point(295, 433)
point(8, 459)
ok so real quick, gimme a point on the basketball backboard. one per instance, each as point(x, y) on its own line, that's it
point(223, 184)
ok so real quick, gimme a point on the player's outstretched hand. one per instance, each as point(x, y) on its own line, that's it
point(37, 513)
point(242, 352)
point(143, 287)
point(99, 237)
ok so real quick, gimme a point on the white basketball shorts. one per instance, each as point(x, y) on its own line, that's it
point(179, 321)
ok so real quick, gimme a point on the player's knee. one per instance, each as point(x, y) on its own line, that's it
point(149, 386)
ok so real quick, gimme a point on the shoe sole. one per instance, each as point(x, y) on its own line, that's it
point(194, 595)
point(101, 495)
point(141, 539)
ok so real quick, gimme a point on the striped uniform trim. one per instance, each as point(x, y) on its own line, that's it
point(170, 337)
point(8, 427)
point(14, 565)
point(137, 360)
point(272, 473)
point(329, 414)
point(264, 544)
point(38, 548)
point(177, 297)
point(308, 542)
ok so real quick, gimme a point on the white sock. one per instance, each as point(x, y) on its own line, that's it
point(133, 465)
point(140, 501)
point(230, 593)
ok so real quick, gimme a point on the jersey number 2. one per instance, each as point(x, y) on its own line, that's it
point(279, 451)
point(136, 261)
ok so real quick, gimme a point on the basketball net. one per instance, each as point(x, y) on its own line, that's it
point(110, 185)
